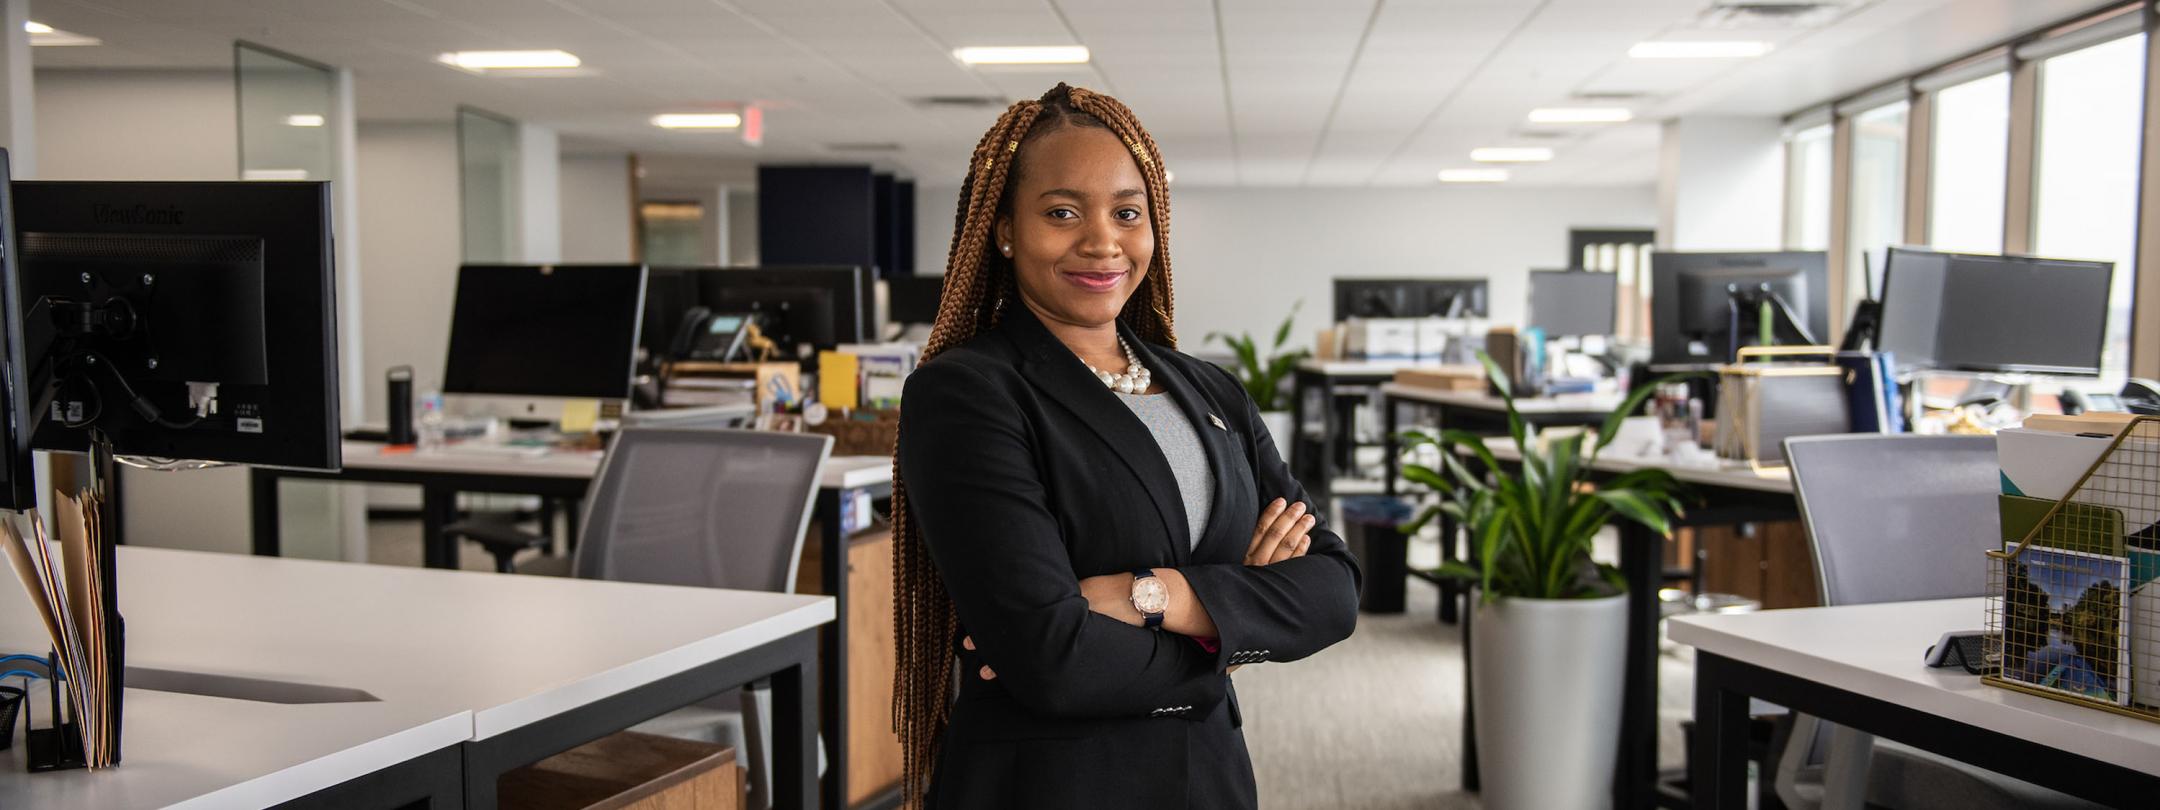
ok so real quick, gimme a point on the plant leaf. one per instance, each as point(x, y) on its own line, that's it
point(1282, 334)
point(1628, 407)
point(1637, 507)
point(1457, 569)
point(1422, 474)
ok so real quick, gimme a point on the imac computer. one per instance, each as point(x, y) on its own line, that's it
point(177, 320)
point(525, 339)
point(1705, 306)
point(2010, 314)
point(1574, 303)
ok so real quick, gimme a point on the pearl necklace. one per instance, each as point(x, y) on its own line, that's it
point(1136, 379)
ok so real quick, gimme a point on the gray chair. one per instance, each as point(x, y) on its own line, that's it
point(706, 508)
point(1894, 518)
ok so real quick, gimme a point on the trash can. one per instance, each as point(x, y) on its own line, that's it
point(1382, 551)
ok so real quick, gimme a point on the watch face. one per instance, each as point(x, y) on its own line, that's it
point(1149, 595)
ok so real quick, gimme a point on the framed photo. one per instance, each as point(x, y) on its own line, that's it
point(2065, 623)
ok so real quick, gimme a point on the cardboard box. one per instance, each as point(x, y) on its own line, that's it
point(1382, 339)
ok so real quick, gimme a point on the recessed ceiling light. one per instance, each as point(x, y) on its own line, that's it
point(1031, 55)
point(509, 60)
point(697, 120)
point(46, 35)
point(1699, 50)
point(1511, 154)
point(304, 120)
point(1581, 115)
point(1473, 175)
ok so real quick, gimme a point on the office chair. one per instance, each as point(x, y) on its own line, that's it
point(704, 508)
point(1894, 518)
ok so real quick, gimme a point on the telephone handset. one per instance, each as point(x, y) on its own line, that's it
point(709, 335)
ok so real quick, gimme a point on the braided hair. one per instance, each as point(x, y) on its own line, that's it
point(979, 284)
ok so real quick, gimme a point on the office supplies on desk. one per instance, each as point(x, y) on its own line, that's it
point(1871, 392)
point(1761, 404)
point(398, 381)
point(72, 597)
point(1959, 648)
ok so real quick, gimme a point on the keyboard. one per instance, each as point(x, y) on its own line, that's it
point(490, 450)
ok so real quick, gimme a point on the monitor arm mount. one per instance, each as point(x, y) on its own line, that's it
point(1782, 321)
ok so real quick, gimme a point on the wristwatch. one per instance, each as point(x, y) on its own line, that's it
point(1150, 596)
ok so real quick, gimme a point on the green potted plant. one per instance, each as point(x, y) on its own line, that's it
point(1549, 644)
point(1263, 376)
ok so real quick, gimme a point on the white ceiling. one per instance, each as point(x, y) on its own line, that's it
point(1237, 92)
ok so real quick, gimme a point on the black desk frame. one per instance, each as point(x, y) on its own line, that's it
point(439, 491)
point(1718, 761)
point(1319, 479)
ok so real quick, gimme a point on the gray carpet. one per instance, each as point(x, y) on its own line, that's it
point(1373, 722)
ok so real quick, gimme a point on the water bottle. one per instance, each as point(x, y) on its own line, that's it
point(433, 428)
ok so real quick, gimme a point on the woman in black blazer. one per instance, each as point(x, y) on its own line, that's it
point(1103, 547)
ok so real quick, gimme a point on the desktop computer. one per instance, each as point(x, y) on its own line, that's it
point(1574, 303)
point(914, 299)
point(526, 339)
point(1706, 306)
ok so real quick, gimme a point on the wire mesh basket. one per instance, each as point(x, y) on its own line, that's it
point(2073, 611)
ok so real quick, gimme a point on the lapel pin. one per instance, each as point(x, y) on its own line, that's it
point(1218, 421)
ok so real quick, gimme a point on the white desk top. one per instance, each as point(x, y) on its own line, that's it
point(1727, 474)
point(841, 472)
point(1875, 650)
point(1483, 400)
point(477, 654)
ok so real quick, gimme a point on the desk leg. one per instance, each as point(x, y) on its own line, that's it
point(1717, 767)
point(1391, 461)
point(1326, 468)
point(1469, 716)
point(832, 651)
point(794, 750)
point(438, 508)
point(1635, 777)
point(263, 504)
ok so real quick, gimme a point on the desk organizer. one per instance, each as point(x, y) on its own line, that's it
point(2073, 611)
point(1776, 392)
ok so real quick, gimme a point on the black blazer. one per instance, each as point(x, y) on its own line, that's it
point(1025, 474)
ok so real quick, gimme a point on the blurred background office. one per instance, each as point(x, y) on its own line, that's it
point(1366, 195)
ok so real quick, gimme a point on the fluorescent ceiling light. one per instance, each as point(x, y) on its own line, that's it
point(1511, 154)
point(304, 120)
point(509, 60)
point(697, 120)
point(1698, 50)
point(1473, 175)
point(1037, 55)
point(42, 35)
point(274, 174)
point(1581, 115)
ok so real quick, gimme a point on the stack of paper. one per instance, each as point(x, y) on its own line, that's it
point(70, 596)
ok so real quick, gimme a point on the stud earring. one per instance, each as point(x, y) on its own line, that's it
point(1006, 248)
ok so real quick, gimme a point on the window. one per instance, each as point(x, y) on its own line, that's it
point(1876, 212)
point(1807, 189)
point(2085, 189)
point(1970, 165)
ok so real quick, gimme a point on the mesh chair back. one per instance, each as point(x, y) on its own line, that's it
point(709, 508)
point(1897, 518)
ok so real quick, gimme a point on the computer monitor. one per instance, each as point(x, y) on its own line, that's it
point(18, 477)
point(180, 320)
point(670, 292)
point(914, 299)
point(525, 339)
point(1409, 298)
point(1692, 302)
point(2018, 314)
point(1574, 303)
point(802, 306)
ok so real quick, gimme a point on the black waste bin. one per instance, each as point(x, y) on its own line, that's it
point(1382, 551)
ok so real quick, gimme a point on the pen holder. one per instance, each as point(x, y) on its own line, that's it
point(59, 748)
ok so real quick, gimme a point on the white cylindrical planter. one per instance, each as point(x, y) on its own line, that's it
point(1548, 676)
point(1281, 429)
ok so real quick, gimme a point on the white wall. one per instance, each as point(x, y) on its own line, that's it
point(539, 188)
point(1243, 256)
point(409, 241)
point(596, 222)
point(137, 125)
point(1721, 184)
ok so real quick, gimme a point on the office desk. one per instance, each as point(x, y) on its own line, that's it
point(1482, 413)
point(1728, 494)
point(1859, 666)
point(1314, 460)
point(442, 476)
point(475, 673)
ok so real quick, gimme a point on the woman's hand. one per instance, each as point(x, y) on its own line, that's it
point(1281, 534)
point(986, 673)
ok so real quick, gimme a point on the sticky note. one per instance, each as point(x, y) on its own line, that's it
point(836, 380)
point(579, 415)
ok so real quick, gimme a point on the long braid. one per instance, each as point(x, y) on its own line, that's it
point(979, 284)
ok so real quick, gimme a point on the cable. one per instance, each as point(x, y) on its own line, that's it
point(38, 659)
point(157, 464)
point(23, 672)
point(143, 406)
